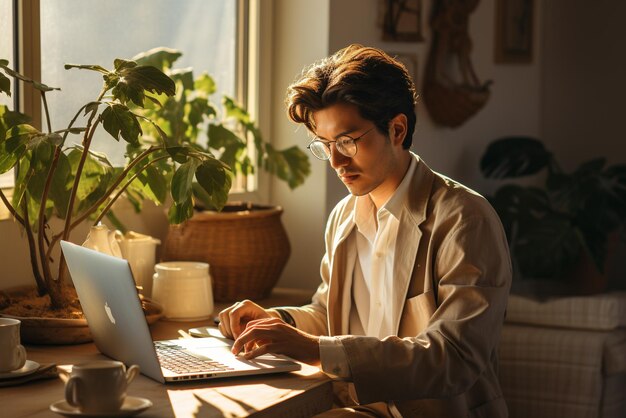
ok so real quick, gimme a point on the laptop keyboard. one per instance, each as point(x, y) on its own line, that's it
point(178, 360)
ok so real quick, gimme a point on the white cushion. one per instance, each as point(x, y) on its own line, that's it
point(597, 312)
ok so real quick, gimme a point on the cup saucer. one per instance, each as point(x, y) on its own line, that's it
point(132, 406)
point(28, 368)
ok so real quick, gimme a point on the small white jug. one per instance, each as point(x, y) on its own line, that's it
point(101, 239)
point(140, 251)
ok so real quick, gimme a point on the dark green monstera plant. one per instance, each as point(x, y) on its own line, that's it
point(549, 227)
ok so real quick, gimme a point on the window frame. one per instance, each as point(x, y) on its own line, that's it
point(248, 60)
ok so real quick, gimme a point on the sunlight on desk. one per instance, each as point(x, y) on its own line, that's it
point(240, 400)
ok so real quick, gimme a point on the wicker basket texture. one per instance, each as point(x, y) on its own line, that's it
point(245, 245)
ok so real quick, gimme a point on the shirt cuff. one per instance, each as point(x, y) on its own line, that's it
point(333, 358)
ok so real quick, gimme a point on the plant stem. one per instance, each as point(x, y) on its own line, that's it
point(11, 209)
point(41, 285)
point(45, 263)
point(89, 132)
point(58, 151)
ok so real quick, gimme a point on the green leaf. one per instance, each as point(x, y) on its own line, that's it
point(291, 165)
point(205, 84)
point(134, 81)
point(152, 184)
point(116, 222)
point(118, 120)
point(298, 166)
point(17, 141)
point(182, 180)
point(184, 76)
point(180, 212)
point(60, 187)
point(96, 68)
point(36, 84)
point(161, 58)
point(91, 107)
point(226, 142)
point(514, 157)
point(216, 181)
point(92, 174)
point(75, 131)
point(196, 110)
point(9, 119)
point(236, 111)
point(5, 84)
point(121, 64)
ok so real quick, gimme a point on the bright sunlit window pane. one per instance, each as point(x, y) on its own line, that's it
point(97, 32)
point(6, 43)
point(6, 52)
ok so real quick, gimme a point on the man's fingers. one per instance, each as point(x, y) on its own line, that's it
point(224, 325)
point(259, 350)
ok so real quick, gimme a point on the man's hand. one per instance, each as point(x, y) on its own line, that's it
point(272, 335)
point(233, 320)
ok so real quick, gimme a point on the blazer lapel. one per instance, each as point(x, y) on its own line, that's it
point(409, 235)
point(340, 282)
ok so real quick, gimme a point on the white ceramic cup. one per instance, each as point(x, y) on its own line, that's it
point(12, 353)
point(184, 290)
point(98, 387)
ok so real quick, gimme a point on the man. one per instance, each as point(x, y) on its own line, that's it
point(416, 274)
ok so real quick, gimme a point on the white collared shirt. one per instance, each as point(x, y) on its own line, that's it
point(372, 284)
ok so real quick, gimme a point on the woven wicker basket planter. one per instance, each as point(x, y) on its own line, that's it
point(245, 245)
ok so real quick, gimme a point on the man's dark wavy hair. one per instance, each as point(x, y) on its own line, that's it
point(378, 85)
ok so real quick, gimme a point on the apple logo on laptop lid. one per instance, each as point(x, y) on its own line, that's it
point(109, 313)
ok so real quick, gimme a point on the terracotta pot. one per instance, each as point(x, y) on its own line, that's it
point(245, 245)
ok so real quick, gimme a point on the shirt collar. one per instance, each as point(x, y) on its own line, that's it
point(365, 210)
point(394, 204)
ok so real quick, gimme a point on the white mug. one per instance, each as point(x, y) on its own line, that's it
point(184, 290)
point(98, 387)
point(12, 353)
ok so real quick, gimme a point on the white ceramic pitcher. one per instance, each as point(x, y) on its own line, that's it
point(140, 251)
point(100, 238)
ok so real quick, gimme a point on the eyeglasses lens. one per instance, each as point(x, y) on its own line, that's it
point(320, 150)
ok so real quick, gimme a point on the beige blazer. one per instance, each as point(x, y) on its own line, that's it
point(453, 273)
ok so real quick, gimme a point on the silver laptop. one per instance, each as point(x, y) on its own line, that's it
point(109, 299)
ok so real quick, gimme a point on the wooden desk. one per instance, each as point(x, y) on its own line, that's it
point(293, 395)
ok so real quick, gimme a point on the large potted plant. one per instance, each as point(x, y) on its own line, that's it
point(245, 243)
point(564, 236)
point(59, 179)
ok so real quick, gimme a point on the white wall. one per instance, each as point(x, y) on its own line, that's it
point(300, 37)
point(584, 80)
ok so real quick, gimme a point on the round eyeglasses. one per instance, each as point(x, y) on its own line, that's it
point(345, 144)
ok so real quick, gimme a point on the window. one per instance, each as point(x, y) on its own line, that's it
point(97, 32)
point(7, 51)
point(211, 34)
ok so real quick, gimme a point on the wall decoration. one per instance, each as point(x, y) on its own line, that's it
point(451, 91)
point(410, 62)
point(401, 20)
point(514, 31)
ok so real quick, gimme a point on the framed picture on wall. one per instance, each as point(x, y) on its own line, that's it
point(401, 20)
point(410, 62)
point(514, 31)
